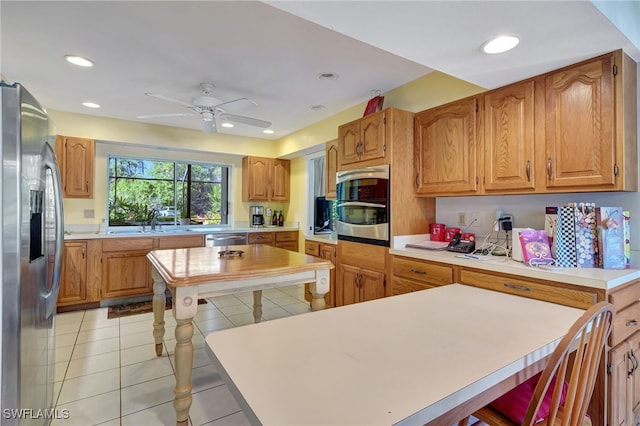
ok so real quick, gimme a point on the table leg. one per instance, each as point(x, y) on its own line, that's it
point(159, 301)
point(185, 307)
point(184, 363)
point(319, 289)
point(257, 306)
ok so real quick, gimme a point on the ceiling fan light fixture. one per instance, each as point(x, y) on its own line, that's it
point(79, 61)
point(500, 44)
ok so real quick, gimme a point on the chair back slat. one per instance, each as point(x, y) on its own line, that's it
point(590, 332)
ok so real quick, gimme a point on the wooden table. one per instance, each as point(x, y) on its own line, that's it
point(197, 273)
point(429, 357)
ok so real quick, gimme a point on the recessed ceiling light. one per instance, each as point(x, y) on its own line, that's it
point(317, 107)
point(500, 44)
point(327, 76)
point(227, 125)
point(91, 105)
point(268, 131)
point(79, 61)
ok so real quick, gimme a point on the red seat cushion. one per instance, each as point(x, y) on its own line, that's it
point(514, 403)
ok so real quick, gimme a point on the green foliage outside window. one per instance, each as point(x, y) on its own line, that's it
point(171, 192)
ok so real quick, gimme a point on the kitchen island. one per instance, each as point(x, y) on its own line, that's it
point(201, 272)
point(430, 357)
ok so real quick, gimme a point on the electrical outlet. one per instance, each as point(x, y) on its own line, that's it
point(476, 220)
point(89, 213)
point(499, 214)
point(462, 219)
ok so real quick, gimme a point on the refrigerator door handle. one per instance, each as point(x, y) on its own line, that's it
point(52, 296)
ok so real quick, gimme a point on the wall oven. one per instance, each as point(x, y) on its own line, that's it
point(363, 205)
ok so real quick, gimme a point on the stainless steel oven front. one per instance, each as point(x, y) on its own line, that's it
point(363, 205)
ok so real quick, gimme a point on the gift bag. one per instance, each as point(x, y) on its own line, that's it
point(564, 241)
point(611, 241)
point(586, 235)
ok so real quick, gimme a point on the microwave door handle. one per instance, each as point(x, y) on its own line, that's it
point(360, 204)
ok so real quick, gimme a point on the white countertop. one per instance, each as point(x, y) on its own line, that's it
point(323, 238)
point(397, 360)
point(170, 231)
point(589, 277)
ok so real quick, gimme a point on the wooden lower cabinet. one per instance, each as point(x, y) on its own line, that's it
point(624, 357)
point(73, 279)
point(328, 252)
point(408, 275)
point(287, 240)
point(360, 285)
point(125, 269)
point(361, 272)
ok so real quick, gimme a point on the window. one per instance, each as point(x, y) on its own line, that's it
point(170, 192)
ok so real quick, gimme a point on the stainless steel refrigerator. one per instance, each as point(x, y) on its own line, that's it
point(32, 234)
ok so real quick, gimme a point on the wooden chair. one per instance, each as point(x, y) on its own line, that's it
point(566, 401)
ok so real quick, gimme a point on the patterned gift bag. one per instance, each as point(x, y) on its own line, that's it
point(565, 238)
point(586, 236)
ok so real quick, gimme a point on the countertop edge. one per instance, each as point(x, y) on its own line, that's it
point(98, 235)
point(604, 279)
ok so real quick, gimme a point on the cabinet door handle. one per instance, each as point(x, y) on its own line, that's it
point(634, 362)
point(528, 170)
point(631, 323)
point(517, 287)
point(417, 177)
point(630, 368)
point(417, 271)
point(83, 252)
point(549, 169)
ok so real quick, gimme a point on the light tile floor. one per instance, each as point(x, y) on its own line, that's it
point(107, 372)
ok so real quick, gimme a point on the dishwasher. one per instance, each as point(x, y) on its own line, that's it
point(226, 239)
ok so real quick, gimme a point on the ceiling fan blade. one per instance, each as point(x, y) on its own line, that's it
point(180, 114)
point(237, 100)
point(169, 99)
point(245, 120)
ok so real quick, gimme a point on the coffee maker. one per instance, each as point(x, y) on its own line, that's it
point(257, 216)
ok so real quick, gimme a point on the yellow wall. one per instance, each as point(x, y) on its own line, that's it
point(122, 137)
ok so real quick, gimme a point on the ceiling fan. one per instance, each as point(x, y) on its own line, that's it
point(209, 109)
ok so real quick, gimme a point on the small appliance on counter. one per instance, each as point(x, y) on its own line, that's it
point(257, 216)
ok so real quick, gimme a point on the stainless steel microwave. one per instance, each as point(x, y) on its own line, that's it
point(363, 205)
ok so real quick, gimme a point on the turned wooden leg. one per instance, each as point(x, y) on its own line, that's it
point(257, 306)
point(319, 289)
point(185, 307)
point(184, 363)
point(159, 301)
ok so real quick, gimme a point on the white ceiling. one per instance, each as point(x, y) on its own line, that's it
point(272, 52)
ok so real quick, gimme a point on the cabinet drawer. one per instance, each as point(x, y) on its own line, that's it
point(286, 236)
point(422, 271)
point(549, 292)
point(126, 244)
point(625, 296)
point(312, 248)
point(182, 241)
point(402, 286)
point(288, 245)
point(261, 238)
point(625, 323)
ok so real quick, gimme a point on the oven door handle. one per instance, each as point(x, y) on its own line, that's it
point(360, 204)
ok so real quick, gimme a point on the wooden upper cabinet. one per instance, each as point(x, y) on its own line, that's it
point(280, 184)
point(445, 145)
point(591, 126)
point(363, 140)
point(265, 179)
point(331, 161)
point(75, 159)
point(508, 138)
